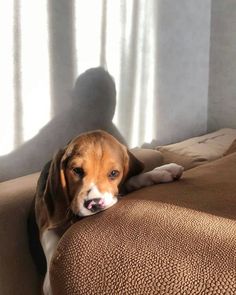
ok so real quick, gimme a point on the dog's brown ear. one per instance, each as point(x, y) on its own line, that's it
point(56, 195)
point(133, 166)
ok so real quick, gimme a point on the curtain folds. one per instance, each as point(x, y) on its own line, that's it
point(45, 45)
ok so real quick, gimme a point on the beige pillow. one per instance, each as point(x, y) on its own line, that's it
point(150, 158)
point(232, 149)
point(199, 150)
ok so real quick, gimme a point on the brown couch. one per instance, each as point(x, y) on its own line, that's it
point(176, 238)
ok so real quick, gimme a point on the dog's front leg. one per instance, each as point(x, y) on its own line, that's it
point(165, 173)
point(49, 241)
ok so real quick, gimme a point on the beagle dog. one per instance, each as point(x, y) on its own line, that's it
point(84, 178)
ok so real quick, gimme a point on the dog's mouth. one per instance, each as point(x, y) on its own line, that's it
point(95, 205)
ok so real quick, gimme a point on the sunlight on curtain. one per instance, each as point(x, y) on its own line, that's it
point(6, 76)
point(24, 71)
point(119, 35)
point(130, 57)
point(88, 19)
point(150, 35)
point(113, 44)
point(35, 66)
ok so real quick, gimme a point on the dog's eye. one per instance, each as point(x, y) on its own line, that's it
point(113, 174)
point(79, 171)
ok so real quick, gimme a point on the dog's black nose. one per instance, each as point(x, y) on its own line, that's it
point(94, 204)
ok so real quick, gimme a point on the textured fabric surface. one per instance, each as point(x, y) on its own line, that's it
point(199, 150)
point(176, 238)
point(18, 275)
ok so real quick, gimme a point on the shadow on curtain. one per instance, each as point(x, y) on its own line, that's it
point(46, 45)
point(85, 114)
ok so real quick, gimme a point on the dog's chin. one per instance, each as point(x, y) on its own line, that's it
point(83, 211)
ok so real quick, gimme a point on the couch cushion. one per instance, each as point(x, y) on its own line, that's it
point(231, 149)
point(199, 150)
point(150, 158)
point(175, 238)
point(17, 271)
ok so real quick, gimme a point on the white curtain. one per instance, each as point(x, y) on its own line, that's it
point(45, 45)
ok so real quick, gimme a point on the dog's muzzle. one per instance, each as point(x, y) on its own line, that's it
point(94, 205)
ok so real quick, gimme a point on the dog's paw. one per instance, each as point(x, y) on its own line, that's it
point(165, 173)
point(170, 172)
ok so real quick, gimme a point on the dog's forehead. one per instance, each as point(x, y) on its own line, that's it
point(93, 145)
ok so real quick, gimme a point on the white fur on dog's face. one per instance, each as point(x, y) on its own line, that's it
point(106, 200)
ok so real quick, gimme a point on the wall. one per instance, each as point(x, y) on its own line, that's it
point(183, 68)
point(222, 81)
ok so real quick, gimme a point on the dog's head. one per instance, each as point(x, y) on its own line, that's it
point(86, 176)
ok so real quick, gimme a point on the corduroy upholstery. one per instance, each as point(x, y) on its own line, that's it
point(176, 238)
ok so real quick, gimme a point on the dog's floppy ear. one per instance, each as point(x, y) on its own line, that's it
point(133, 166)
point(56, 195)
